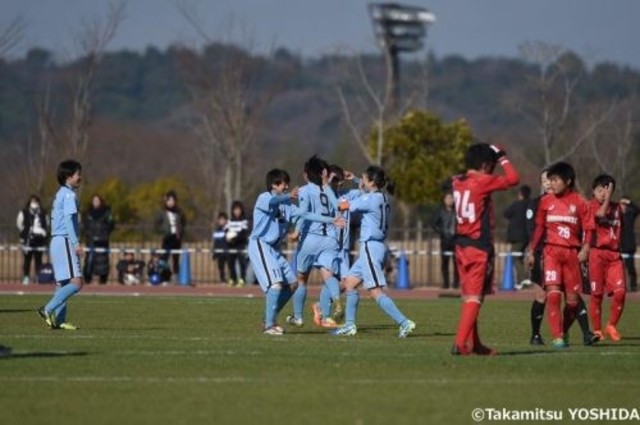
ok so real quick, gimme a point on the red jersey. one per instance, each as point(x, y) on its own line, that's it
point(474, 210)
point(564, 219)
point(607, 232)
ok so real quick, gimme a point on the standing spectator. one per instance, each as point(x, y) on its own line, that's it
point(444, 223)
point(33, 224)
point(517, 234)
point(97, 224)
point(237, 237)
point(220, 246)
point(171, 223)
point(630, 212)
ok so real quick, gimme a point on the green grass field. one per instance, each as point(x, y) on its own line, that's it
point(184, 360)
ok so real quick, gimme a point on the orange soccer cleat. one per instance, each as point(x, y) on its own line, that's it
point(613, 333)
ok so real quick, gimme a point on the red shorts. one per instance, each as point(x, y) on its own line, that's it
point(562, 268)
point(475, 268)
point(606, 271)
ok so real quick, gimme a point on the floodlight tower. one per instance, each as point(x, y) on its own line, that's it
point(399, 28)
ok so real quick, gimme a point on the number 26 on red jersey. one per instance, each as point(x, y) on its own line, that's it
point(464, 208)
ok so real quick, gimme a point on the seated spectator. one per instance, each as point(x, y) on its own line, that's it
point(158, 270)
point(130, 270)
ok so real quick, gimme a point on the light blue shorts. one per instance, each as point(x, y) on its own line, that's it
point(269, 265)
point(369, 267)
point(343, 264)
point(317, 251)
point(65, 261)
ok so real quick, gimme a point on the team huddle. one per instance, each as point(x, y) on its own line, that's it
point(321, 219)
point(568, 232)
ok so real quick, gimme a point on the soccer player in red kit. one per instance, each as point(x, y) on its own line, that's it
point(474, 236)
point(606, 271)
point(562, 217)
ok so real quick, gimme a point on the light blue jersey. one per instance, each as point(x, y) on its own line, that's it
point(316, 211)
point(64, 215)
point(272, 215)
point(64, 235)
point(375, 210)
point(318, 245)
point(344, 235)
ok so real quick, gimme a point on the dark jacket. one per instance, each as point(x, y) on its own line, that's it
point(516, 213)
point(444, 222)
point(219, 241)
point(98, 225)
point(163, 224)
point(628, 237)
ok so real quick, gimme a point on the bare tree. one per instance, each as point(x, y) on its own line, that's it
point(612, 147)
point(71, 134)
point(563, 129)
point(374, 107)
point(11, 35)
point(231, 90)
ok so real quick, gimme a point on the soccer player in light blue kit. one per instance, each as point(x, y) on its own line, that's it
point(330, 295)
point(318, 245)
point(368, 268)
point(272, 214)
point(64, 249)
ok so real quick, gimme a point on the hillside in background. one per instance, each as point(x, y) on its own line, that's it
point(141, 127)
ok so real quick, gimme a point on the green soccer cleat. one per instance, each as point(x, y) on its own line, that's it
point(49, 318)
point(338, 311)
point(68, 326)
point(559, 343)
point(406, 328)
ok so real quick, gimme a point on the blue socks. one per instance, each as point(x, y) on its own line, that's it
point(388, 306)
point(285, 296)
point(325, 301)
point(60, 297)
point(272, 296)
point(333, 285)
point(351, 309)
point(299, 298)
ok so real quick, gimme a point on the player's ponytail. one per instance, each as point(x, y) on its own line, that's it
point(379, 178)
point(390, 185)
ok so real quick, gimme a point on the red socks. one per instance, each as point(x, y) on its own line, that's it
point(554, 299)
point(617, 306)
point(467, 324)
point(595, 311)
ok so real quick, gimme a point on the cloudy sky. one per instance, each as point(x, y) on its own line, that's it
point(597, 29)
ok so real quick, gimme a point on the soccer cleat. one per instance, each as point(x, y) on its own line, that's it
point(317, 314)
point(49, 318)
point(274, 330)
point(329, 323)
point(613, 333)
point(406, 328)
point(590, 339)
point(338, 311)
point(67, 326)
point(536, 339)
point(294, 322)
point(559, 343)
point(600, 335)
point(482, 350)
point(460, 351)
point(346, 330)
